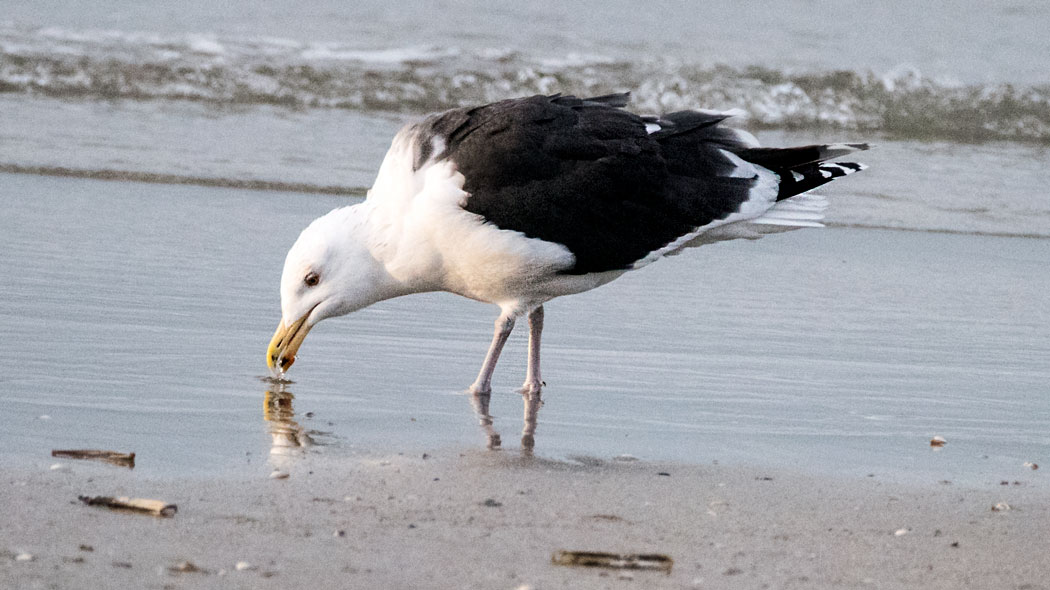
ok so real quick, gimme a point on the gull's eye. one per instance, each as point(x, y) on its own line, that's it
point(312, 279)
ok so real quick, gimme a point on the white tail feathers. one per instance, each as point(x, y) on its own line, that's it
point(805, 210)
point(837, 169)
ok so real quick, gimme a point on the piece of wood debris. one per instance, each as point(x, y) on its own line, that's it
point(627, 561)
point(111, 457)
point(187, 567)
point(154, 507)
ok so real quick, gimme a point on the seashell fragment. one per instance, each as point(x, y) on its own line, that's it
point(938, 441)
point(1001, 507)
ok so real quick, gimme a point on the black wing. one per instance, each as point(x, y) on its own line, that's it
point(586, 174)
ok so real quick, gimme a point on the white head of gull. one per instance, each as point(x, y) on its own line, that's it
point(524, 200)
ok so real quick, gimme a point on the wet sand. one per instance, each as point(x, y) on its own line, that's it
point(486, 519)
point(845, 349)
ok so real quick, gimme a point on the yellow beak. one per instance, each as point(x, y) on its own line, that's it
point(285, 344)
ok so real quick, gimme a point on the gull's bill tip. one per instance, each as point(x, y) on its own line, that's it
point(284, 346)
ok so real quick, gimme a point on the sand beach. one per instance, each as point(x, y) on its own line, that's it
point(481, 519)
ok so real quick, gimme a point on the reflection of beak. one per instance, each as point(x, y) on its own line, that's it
point(285, 344)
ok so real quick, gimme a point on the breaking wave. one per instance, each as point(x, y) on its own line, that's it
point(103, 65)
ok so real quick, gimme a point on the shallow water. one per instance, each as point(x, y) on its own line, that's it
point(136, 316)
point(308, 100)
point(991, 188)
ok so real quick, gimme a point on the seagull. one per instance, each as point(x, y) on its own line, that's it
point(524, 200)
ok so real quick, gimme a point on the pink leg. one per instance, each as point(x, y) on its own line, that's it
point(533, 381)
point(483, 384)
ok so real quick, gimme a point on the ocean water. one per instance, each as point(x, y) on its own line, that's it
point(135, 314)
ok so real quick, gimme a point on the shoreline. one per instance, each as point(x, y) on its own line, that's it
point(360, 192)
point(495, 519)
point(110, 175)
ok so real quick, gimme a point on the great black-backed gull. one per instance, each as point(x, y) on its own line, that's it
point(524, 200)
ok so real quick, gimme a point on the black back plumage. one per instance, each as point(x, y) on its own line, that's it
point(586, 174)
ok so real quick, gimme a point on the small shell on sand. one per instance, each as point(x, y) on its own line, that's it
point(1030, 465)
point(1001, 507)
point(243, 566)
point(900, 532)
point(938, 441)
point(23, 556)
point(59, 467)
point(279, 475)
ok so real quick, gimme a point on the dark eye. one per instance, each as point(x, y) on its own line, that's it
point(312, 279)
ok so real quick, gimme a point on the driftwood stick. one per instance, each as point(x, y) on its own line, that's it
point(122, 459)
point(154, 507)
point(643, 561)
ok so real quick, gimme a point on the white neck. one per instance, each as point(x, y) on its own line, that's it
point(402, 267)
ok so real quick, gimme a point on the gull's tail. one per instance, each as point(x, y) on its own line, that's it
point(801, 169)
point(804, 168)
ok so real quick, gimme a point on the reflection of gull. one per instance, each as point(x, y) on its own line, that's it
point(528, 430)
point(533, 402)
point(288, 437)
point(480, 402)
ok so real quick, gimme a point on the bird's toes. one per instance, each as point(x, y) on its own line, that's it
point(532, 387)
